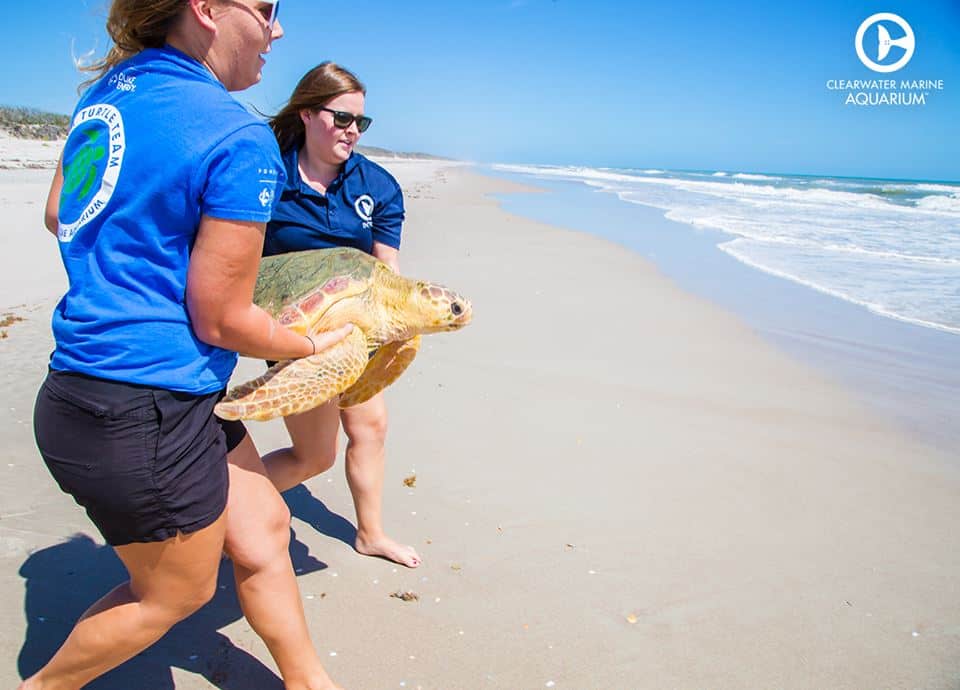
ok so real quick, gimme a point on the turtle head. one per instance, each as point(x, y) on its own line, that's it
point(442, 309)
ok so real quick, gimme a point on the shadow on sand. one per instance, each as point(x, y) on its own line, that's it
point(64, 579)
point(304, 506)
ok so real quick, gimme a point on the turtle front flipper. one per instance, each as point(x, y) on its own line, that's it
point(298, 385)
point(384, 368)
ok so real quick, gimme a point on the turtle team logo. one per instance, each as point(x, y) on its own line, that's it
point(886, 47)
point(364, 208)
point(92, 159)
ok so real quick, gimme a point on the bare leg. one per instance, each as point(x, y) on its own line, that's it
point(314, 449)
point(169, 580)
point(366, 429)
point(257, 541)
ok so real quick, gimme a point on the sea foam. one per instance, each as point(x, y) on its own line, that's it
point(888, 245)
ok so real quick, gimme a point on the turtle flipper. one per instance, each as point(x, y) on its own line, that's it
point(298, 385)
point(384, 368)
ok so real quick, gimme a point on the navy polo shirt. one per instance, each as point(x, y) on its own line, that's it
point(362, 205)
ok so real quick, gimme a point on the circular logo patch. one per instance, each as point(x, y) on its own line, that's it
point(885, 44)
point(92, 159)
point(364, 206)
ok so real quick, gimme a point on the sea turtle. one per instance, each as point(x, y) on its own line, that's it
point(323, 289)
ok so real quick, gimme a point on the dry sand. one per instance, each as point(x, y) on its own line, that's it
point(619, 486)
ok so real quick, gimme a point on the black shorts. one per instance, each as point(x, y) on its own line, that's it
point(146, 463)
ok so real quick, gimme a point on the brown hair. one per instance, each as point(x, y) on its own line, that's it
point(134, 25)
point(318, 87)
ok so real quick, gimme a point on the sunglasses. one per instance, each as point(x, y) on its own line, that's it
point(270, 14)
point(342, 119)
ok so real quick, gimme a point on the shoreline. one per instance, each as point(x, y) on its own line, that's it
point(620, 485)
point(902, 369)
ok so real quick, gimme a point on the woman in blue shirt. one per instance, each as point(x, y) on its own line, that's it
point(159, 206)
point(336, 197)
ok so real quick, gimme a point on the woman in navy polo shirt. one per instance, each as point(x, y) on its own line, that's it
point(335, 197)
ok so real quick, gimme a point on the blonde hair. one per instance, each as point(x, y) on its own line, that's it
point(135, 25)
point(316, 88)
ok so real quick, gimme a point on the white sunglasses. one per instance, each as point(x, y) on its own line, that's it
point(271, 16)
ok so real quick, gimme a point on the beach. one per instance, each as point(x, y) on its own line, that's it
point(843, 274)
point(620, 485)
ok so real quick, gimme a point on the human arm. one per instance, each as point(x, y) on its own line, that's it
point(387, 226)
point(220, 281)
point(388, 255)
point(52, 210)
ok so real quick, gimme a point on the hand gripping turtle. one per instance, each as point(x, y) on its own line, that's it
point(323, 289)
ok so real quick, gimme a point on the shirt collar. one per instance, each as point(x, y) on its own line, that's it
point(291, 161)
point(189, 62)
point(350, 164)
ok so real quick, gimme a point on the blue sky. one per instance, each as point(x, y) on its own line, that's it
point(673, 84)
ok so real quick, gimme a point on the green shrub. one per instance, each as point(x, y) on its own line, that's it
point(29, 123)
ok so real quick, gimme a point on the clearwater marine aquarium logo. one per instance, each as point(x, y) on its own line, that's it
point(92, 159)
point(364, 208)
point(885, 45)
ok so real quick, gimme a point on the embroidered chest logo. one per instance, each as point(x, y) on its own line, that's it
point(92, 159)
point(364, 208)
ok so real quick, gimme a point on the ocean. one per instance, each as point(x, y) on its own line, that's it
point(859, 278)
point(890, 246)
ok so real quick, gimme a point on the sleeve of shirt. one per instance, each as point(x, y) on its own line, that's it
point(388, 220)
point(242, 176)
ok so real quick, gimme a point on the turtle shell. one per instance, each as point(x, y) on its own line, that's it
point(299, 287)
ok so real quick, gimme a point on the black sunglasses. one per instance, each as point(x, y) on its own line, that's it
point(343, 119)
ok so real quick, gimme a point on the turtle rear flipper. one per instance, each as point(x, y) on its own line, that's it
point(384, 368)
point(298, 385)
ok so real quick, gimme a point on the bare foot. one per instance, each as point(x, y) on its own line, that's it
point(385, 547)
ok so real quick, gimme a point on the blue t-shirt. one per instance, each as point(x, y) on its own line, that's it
point(155, 144)
point(362, 205)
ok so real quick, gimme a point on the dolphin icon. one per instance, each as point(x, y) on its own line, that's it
point(885, 42)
